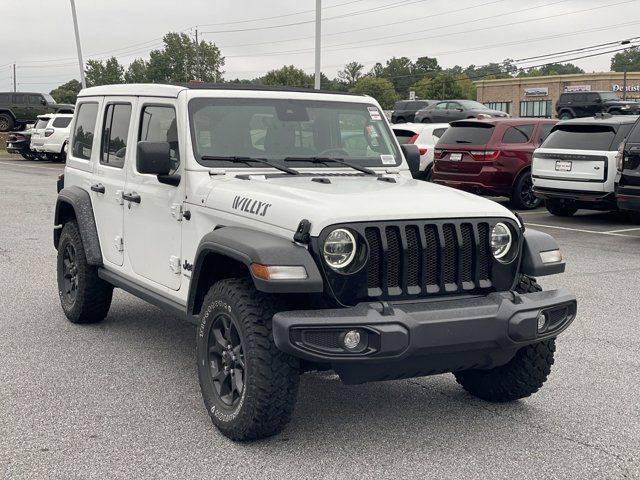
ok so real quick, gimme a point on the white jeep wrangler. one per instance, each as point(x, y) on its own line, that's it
point(286, 225)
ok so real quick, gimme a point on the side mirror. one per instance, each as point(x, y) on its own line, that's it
point(598, 100)
point(459, 109)
point(43, 101)
point(412, 156)
point(154, 158)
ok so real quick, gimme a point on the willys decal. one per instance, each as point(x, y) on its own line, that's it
point(249, 205)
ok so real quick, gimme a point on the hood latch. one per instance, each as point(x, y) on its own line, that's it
point(302, 232)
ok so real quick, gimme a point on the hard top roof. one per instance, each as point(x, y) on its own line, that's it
point(502, 120)
point(601, 120)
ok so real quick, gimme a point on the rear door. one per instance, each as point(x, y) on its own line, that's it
point(19, 107)
point(37, 105)
point(463, 146)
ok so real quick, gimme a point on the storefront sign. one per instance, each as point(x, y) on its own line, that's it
point(577, 88)
point(630, 88)
point(536, 92)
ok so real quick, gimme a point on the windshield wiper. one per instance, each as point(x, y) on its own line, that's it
point(249, 160)
point(324, 161)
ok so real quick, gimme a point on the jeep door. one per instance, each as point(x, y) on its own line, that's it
point(19, 107)
point(593, 104)
point(109, 176)
point(152, 217)
point(37, 105)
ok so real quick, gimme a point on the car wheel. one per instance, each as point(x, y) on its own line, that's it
point(525, 373)
point(565, 116)
point(249, 387)
point(561, 208)
point(400, 120)
point(28, 156)
point(428, 177)
point(522, 196)
point(85, 297)
point(426, 120)
point(6, 123)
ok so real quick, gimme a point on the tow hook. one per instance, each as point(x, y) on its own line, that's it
point(516, 298)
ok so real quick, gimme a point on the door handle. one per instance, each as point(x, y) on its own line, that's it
point(131, 197)
point(98, 187)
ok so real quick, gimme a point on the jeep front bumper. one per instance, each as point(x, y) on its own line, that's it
point(408, 339)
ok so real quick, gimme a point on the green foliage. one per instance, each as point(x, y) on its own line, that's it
point(67, 92)
point(629, 57)
point(350, 74)
point(138, 72)
point(490, 71)
point(379, 88)
point(107, 73)
point(553, 69)
point(445, 86)
point(288, 76)
point(426, 65)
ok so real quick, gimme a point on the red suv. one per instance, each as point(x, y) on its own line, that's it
point(491, 157)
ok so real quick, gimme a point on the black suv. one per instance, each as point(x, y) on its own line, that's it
point(628, 163)
point(405, 110)
point(20, 108)
point(587, 104)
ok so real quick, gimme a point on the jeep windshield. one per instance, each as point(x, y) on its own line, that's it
point(279, 129)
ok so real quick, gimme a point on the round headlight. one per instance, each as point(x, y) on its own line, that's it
point(339, 248)
point(501, 240)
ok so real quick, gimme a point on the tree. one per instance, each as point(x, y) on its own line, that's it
point(351, 73)
point(288, 76)
point(629, 58)
point(489, 71)
point(426, 65)
point(67, 92)
point(552, 69)
point(377, 70)
point(400, 71)
point(138, 72)
point(107, 73)
point(445, 86)
point(379, 88)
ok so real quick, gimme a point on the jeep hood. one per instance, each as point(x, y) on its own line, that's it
point(284, 201)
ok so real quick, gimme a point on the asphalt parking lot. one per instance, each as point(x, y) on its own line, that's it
point(121, 399)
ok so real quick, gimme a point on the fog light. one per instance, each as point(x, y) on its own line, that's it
point(542, 321)
point(351, 339)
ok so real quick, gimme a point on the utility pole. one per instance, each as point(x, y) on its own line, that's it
point(80, 61)
point(14, 78)
point(624, 78)
point(318, 34)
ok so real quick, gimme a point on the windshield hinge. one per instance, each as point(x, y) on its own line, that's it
point(177, 211)
point(118, 242)
point(174, 264)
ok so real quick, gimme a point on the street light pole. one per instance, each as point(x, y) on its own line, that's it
point(80, 61)
point(318, 34)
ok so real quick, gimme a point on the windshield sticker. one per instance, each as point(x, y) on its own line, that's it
point(388, 159)
point(374, 113)
point(249, 205)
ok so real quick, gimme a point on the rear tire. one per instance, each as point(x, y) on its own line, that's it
point(525, 373)
point(426, 120)
point(565, 116)
point(249, 387)
point(6, 122)
point(400, 120)
point(522, 196)
point(85, 297)
point(561, 208)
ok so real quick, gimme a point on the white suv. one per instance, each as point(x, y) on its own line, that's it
point(50, 136)
point(424, 136)
point(575, 167)
point(285, 224)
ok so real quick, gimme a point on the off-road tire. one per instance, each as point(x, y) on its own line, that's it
point(522, 195)
point(6, 122)
point(560, 209)
point(565, 116)
point(525, 373)
point(400, 120)
point(271, 377)
point(92, 298)
point(427, 120)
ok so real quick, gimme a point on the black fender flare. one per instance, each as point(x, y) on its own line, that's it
point(251, 246)
point(80, 202)
point(534, 243)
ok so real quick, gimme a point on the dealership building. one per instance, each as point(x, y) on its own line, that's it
point(537, 96)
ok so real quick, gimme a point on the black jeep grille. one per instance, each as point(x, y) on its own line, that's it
point(428, 258)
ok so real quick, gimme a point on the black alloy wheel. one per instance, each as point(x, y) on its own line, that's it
point(523, 196)
point(226, 360)
point(70, 273)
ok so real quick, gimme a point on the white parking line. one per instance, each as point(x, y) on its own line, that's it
point(624, 230)
point(581, 230)
point(543, 212)
point(41, 167)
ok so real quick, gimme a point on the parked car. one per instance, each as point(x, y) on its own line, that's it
point(587, 104)
point(50, 136)
point(17, 109)
point(628, 164)
point(20, 143)
point(491, 157)
point(405, 110)
point(576, 165)
point(425, 136)
point(450, 110)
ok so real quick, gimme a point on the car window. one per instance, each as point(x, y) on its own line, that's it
point(5, 98)
point(579, 98)
point(62, 122)
point(441, 106)
point(35, 99)
point(581, 137)
point(592, 97)
point(564, 98)
point(159, 124)
point(438, 132)
point(399, 105)
point(517, 134)
point(117, 118)
point(19, 98)
point(545, 130)
point(634, 136)
point(453, 105)
point(41, 123)
point(403, 136)
point(86, 116)
point(476, 134)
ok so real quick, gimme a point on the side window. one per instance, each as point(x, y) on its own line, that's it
point(634, 136)
point(35, 99)
point(453, 105)
point(564, 98)
point(438, 132)
point(5, 98)
point(579, 98)
point(592, 97)
point(86, 116)
point(545, 130)
point(117, 118)
point(441, 106)
point(19, 99)
point(518, 134)
point(158, 124)
point(61, 122)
